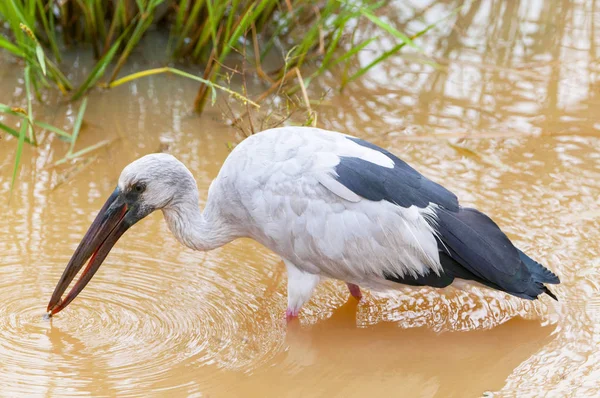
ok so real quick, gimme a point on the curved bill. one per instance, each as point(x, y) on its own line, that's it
point(102, 235)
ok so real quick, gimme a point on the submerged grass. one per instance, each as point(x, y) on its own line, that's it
point(208, 33)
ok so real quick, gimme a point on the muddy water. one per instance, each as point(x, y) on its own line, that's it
point(517, 79)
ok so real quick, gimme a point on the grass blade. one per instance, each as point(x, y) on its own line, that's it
point(390, 29)
point(211, 22)
point(15, 111)
point(89, 149)
point(193, 16)
point(150, 72)
point(59, 78)
point(77, 125)
point(355, 49)
point(19, 12)
point(82, 152)
point(7, 45)
point(54, 129)
point(98, 71)
point(397, 48)
point(242, 27)
point(18, 154)
point(332, 47)
point(183, 7)
point(376, 61)
point(49, 28)
point(141, 27)
point(13, 132)
point(29, 107)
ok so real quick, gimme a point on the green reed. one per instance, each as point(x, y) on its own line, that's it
point(205, 32)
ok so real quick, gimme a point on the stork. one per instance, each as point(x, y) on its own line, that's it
point(331, 205)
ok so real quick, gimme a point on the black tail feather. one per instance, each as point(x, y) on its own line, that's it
point(476, 249)
point(549, 292)
point(538, 271)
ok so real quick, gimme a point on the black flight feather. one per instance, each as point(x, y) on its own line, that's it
point(471, 245)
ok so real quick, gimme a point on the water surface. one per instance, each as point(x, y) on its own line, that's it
point(509, 122)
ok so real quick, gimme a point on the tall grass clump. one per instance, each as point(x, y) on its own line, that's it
point(206, 32)
point(310, 36)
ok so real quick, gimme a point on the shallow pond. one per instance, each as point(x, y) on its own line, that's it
point(509, 122)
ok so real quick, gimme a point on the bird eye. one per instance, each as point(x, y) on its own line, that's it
point(139, 188)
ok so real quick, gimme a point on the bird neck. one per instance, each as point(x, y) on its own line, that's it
point(195, 229)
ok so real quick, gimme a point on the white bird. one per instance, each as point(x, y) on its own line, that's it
point(331, 205)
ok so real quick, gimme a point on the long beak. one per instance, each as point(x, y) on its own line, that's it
point(102, 235)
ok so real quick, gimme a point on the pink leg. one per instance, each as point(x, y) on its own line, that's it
point(354, 291)
point(291, 314)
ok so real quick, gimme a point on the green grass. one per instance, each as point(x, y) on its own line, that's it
point(312, 34)
point(203, 31)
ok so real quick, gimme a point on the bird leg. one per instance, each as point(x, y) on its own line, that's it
point(300, 287)
point(291, 314)
point(354, 291)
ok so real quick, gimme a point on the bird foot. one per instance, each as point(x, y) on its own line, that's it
point(354, 291)
point(291, 314)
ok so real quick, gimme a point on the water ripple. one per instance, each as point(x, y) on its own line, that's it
point(135, 324)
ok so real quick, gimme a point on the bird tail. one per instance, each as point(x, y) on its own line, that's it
point(538, 271)
point(540, 274)
point(549, 292)
point(482, 252)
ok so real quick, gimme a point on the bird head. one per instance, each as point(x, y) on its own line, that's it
point(150, 183)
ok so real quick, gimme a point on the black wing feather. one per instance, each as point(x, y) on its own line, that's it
point(477, 244)
point(471, 245)
point(401, 184)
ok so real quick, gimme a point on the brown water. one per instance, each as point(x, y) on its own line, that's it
point(518, 78)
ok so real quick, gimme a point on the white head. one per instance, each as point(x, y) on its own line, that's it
point(156, 181)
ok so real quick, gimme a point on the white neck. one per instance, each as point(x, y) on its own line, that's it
point(194, 229)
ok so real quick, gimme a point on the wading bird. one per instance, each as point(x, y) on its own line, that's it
point(331, 205)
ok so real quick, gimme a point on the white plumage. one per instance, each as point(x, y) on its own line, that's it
point(331, 206)
point(276, 187)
